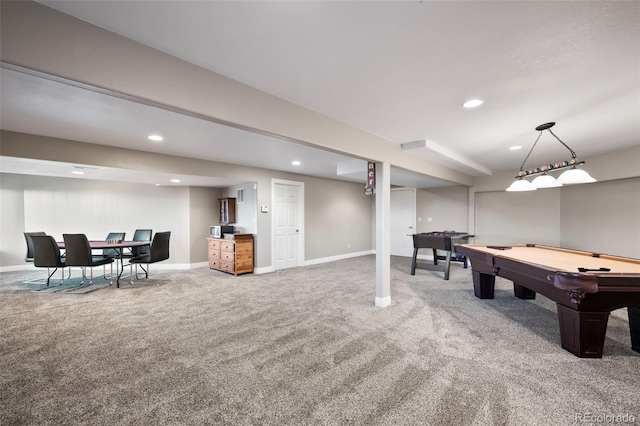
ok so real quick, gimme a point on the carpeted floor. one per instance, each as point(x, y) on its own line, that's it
point(303, 346)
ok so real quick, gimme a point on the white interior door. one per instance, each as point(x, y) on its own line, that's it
point(403, 221)
point(287, 225)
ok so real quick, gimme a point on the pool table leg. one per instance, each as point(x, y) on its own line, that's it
point(435, 256)
point(582, 333)
point(413, 261)
point(522, 292)
point(634, 327)
point(483, 284)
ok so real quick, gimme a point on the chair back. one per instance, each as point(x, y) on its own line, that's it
point(160, 247)
point(142, 235)
point(78, 250)
point(113, 236)
point(46, 252)
point(27, 237)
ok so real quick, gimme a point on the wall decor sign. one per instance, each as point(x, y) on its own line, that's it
point(371, 174)
point(371, 178)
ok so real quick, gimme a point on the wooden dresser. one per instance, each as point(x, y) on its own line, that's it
point(232, 256)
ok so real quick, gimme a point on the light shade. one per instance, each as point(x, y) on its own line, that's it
point(545, 181)
point(573, 176)
point(520, 185)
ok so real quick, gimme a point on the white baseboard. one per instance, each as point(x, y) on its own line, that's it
point(18, 268)
point(264, 270)
point(198, 265)
point(338, 257)
point(268, 269)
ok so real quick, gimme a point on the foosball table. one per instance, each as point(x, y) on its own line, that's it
point(440, 240)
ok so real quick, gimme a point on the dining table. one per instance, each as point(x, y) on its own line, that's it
point(113, 244)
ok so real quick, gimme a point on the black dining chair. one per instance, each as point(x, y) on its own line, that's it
point(27, 236)
point(79, 254)
point(140, 235)
point(46, 254)
point(159, 251)
point(113, 253)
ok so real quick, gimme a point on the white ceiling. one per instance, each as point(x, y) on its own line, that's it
point(397, 69)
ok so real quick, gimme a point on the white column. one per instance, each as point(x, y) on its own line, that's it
point(471, 229)
point(383, 234)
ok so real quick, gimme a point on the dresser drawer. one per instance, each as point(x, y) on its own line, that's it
point(214, 263)
point(214, 244)
point(228, 256)
point(227, 266)
point(227, 246)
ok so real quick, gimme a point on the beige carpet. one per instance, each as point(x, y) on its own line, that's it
point(304, 346)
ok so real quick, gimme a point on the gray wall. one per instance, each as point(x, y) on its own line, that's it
point(447, 207)
point(602, 217)
point(337, 215)
point(247, 210)
point(518, 217)
point(203, 212)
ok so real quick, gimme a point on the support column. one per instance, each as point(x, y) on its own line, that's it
point(383, 234)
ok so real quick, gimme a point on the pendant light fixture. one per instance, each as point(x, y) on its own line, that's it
point(571, 176)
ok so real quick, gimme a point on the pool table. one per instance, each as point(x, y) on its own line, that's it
point(585, 286)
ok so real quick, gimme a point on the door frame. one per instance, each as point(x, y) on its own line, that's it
point(300, 251)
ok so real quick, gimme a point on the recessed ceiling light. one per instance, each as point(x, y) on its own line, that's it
point(77, 172)
point(155, 138)
point(515, 148)
point(295, 163)
point(175, 180)
point(473, 103)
